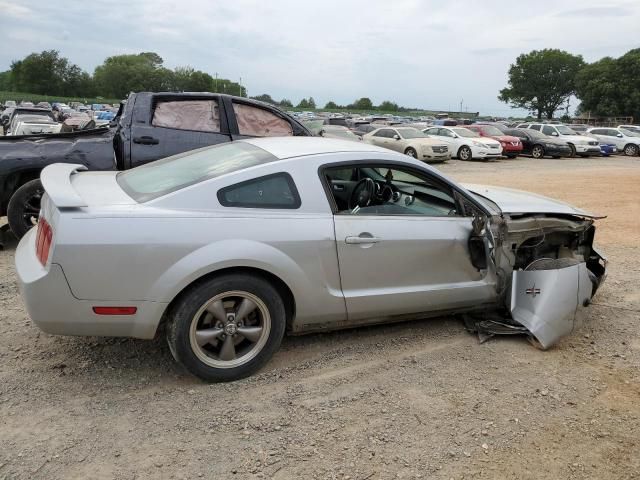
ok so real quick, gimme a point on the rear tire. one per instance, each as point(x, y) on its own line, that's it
point(573, 151)
point(241, 320)
point(24, 207)
point(465, 153)
point(411, 152)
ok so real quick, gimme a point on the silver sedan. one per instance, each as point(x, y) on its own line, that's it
point(233, 245)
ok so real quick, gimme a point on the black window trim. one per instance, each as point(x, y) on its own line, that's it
point(263, 206)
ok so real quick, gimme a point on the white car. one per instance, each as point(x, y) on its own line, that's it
point(625, 140)
point(409, 141)
point(631, 128)
point(465, 144)
point(582, 145)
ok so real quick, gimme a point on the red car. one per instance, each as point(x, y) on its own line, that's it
point(511, 146)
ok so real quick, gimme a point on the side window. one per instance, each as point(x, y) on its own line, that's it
point(433, 131)
point(198, 115)
point(612, 133)
point(272, 191)
point(536, 127)
point(389, 191)
point(446, 133)
point(547, 130)
point(379, 133)
point(258, 122)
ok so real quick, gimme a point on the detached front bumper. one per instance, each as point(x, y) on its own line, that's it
point(549, 303)
point(53, 308)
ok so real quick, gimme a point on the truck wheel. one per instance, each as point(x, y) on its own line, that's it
point(24, 207)
point(227, 327)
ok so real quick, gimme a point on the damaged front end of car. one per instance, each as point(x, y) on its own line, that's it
point(548, 270)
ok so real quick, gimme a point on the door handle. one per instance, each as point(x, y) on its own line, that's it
point(362, 239)
point(146, 140)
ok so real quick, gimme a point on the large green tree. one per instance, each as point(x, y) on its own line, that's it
point(611, 86)
point(388, 106)
point(542, 80)
point(48, 73)
point(363, 103)
point(121, 74)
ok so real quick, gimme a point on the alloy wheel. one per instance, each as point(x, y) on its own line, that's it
point(230, 329)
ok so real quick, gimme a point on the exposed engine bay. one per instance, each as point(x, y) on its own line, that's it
point(547, 270)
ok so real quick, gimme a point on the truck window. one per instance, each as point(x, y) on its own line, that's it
point(198, 115)
point(258, 122)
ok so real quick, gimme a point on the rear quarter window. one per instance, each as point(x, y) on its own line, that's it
point(271, 191)
point(258, 122)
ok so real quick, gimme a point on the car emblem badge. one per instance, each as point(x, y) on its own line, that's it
point(533, 291)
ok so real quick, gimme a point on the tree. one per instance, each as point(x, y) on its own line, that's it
point(331, 105)
point(388, 106)
point(303, 103)
point(121, 74)
point(312, 103)
point(265, 98)
point(542, 80)
point(47, 73)
point(611, 86)
point(286, 103)
point(5, 81)
point(363, 103)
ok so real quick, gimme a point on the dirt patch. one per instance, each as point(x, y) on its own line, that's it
point(415, 400)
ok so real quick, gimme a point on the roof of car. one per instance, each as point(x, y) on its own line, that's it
point(288, 147)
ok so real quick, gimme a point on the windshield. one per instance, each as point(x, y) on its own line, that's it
point(536, 134)
point(491, 130)
point(629, 133)
point(408, 133)
point(164, 176)
point(463, 132)
point(564, 130)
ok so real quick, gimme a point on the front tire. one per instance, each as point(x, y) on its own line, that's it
point(573, 151)
point(631, 150)
point(24, 207)
point(227, 327)
point(465, 153)
point(537, 152)
point(411, 152)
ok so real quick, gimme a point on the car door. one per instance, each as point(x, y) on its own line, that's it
point(165, 125)
point(383, 137)
point(612, 136)
point(398, 260)
point(445, 136)
point(393, 143)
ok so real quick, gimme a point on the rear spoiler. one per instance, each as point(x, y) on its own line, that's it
point(56, 180)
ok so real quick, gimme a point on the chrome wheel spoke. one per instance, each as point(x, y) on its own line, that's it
point(246, 307)
point(217, 310)
point(228, 350)
point(206, 335)
point(250, 333)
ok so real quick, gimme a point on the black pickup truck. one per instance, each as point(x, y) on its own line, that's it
point(149, 126)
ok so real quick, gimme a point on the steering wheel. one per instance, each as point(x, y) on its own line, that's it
point(362, 193)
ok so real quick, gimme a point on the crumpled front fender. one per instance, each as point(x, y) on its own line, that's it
point(546, 302)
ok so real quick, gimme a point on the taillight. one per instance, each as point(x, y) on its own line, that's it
point(44, 236)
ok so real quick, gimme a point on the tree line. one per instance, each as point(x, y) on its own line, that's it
point(543, 81)
point(363, 103)
point(48, 73)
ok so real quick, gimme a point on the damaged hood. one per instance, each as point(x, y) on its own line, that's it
point(512, 201)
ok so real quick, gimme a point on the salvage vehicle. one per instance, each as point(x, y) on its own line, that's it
point(409, 141)
point(581, 145)
point(338, 131)
point(624, 140)
point(32, 125)
point(465, 144)
point(511, 146)
point(148, 126)
point(229, 246)
point(539, 145)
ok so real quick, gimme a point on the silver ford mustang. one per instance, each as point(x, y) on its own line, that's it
point(231, 246)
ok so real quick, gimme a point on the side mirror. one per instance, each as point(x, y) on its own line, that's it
point(554, 134)
point(396, 137)
point(619, 135)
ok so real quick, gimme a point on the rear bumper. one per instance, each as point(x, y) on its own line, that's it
point(55, 310)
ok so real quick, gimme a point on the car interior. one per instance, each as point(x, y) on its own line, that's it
point(382, 190)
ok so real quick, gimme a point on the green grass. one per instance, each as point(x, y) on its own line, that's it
point(19, 96)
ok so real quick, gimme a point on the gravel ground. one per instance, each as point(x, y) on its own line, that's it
point(415, 400)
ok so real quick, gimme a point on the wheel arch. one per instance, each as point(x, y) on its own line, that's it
point(12, 182)
point(280, 285)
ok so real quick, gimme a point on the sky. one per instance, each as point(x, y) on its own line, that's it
point(420, 53)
